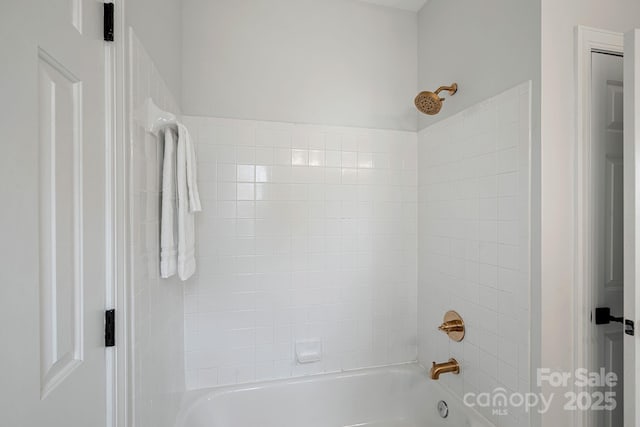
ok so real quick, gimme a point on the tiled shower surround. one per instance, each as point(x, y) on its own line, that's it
point(308, 232)
point(474, 178)
point(158, 375)
point(363, 239)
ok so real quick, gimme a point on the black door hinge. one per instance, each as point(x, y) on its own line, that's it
point(110, 328)
point(108, 22)
point(629, 327)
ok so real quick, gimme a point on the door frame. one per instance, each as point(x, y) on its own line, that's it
point(588, 40)
point(118, 358)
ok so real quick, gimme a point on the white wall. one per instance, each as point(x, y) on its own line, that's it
point(158, 308)
point(473, 215)
point(336, 62)
point(559, 19)
point(158, 24)
point(485, 46)
point(307, 232)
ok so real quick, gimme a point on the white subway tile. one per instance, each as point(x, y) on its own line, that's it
point(246, 173)
point(316, 158)
point(473, 241)
point(294, 223)
point(154, 297)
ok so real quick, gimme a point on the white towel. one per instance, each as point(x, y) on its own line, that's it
point(192, 174)
point(188, 203)
point(168, 240)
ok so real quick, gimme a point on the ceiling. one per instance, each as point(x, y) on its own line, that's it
point(413, 5)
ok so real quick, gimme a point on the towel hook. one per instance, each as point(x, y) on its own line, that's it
point(156, 118)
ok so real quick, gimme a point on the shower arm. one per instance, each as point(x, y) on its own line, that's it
point(451, 89)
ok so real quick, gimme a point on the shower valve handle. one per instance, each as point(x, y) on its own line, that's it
point(452, 326)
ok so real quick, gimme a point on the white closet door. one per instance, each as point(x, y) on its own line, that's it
point(52, 183)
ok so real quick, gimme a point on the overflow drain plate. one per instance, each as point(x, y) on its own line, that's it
point(443, 409)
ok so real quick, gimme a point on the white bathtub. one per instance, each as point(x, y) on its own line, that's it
point(397, 396)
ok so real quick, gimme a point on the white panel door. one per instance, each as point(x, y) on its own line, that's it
point(631, 223)
point(606, 167)
point(53, 245)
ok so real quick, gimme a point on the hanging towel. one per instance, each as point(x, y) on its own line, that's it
point(192, 175)
point(188, 203)
point(168, 230)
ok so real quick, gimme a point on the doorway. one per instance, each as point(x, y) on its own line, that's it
point(606, 176)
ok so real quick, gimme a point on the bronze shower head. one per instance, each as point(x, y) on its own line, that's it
point(430, 103)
